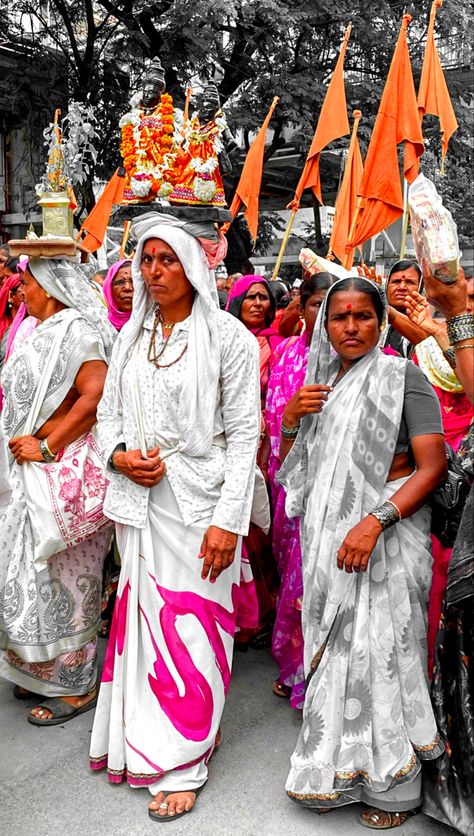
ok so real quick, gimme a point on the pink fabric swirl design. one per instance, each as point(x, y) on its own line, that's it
point(191, 713)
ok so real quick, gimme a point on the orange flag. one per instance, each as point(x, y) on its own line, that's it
point(397, 121)
point(97, 220)
point(433, 95)
point(332, 124)
point(248, 188)
point(346, 202)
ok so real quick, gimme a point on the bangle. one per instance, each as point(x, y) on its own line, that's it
point(450, 356)
point(289, 432)
point(460, 328)
point(387, 514)
point(460, 347)
point(48, 456)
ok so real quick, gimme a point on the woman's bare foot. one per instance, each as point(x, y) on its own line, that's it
point(77, 702)
point(176, 802)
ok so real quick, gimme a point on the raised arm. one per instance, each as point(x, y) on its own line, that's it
point(451, 300)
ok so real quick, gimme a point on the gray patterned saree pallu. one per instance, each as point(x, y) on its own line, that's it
point(367, 719)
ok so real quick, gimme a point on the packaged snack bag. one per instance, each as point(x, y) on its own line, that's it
point(434, 231)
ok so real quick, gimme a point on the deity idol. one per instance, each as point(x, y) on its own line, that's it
point(148, 145)
point(203, 159)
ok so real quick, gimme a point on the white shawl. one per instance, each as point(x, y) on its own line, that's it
point(200, 392)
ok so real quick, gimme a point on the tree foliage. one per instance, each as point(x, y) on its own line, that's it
point(96, 51)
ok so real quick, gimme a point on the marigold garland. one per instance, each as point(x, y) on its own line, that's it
point(146, 142)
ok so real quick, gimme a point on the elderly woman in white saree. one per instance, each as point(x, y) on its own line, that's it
point(53, 534)
point(367, 455)
point(179, 423)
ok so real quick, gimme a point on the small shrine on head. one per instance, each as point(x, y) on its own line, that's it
point(172, 160)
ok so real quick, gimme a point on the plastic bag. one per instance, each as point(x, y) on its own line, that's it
point(434, 231)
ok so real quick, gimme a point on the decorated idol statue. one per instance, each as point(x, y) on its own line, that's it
point(203, 159)
point(148, 145)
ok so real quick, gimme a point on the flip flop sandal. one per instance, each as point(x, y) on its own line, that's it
point(280, 690)
point(61, 711)
point(394, 819)
point(154, 814)
point(22, 694)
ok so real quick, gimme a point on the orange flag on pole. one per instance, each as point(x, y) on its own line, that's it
point(346, 201)
point(433, 94)
point(248, 188)
point(381, 196)
point(332, 124)
point(98, 219)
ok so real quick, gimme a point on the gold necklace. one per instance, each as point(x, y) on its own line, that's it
point(153, 356)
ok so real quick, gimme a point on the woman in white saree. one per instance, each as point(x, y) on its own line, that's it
point(179, 423)
point(50, 586)
point(367, 455)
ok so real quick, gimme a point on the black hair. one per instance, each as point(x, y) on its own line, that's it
point(279, 291)
point(404, 264)
point(222, 296)
point(362, 286)
point(319, 281)
point(12, 265)
point(5, 248)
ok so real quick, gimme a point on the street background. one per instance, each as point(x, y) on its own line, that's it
point(47, 789)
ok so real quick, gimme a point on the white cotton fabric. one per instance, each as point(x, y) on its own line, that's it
point(199, 393)
point(64, 281)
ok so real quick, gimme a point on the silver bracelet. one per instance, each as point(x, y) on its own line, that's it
point(460, 328)
point(48, 456)
point(387, 514)
point(289, 432)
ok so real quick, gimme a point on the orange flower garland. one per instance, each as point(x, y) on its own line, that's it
point(146, 144)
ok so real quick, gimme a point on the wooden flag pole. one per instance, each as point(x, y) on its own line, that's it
point(352, 232)
point(126, 233)
point(284, 243)
point(405, 220)
point(357, 114)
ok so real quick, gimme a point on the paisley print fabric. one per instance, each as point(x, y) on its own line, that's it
point(48, 617)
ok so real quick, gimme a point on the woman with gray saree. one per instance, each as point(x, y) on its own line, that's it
point(53, 534)
point(368, 450)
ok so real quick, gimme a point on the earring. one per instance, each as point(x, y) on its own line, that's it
point(48, 295)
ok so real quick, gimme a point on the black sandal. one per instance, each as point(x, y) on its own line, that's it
point(154, 814)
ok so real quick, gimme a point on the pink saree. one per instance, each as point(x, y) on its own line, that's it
point(287, 377)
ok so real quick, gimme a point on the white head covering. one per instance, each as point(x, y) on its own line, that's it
point(66, 283)
point(199, 394)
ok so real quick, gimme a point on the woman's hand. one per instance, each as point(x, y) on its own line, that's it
point(358, 545)
point(25, 448)
point(146, 472)
point(450, 299)
point(419, 312)
point(218, 551)
point(306, 401)
point(367, 272)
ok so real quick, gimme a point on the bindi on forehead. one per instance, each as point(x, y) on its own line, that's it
point(348, 307)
